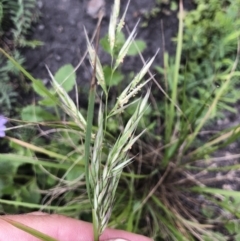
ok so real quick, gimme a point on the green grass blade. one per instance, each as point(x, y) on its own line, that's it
point(44, 207)
point(171, 115)
point(36, 148)
point(28, 75)
point(29, 230)
point(25, 159)
point(90, 112)
point(227, 193)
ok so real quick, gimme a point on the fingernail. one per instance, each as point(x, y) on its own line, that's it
point(117, 239)
point(37, 213)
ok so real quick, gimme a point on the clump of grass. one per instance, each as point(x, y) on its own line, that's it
point(16, 19)
point(173, 206)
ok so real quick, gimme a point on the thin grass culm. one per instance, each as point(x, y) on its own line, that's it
point(104, 168)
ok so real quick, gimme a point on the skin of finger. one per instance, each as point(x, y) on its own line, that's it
point(59, 227)
point(38, 213)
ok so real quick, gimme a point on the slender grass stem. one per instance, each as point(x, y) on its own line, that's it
point(171, 115)
point(90, 112)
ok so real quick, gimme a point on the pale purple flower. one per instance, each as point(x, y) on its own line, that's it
point(3, 121)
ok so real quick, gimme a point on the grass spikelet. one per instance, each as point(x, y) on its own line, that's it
point(94, 58)
point(142, 72)
point(132, 89)
point(122, 20)
point(112, 25)
point(67, 104)
point(125, 47)
point(104, 180)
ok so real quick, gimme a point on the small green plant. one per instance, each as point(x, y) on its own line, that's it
point(16, 18)
point(209, 46)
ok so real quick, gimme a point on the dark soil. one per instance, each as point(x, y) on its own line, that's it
point(60, 28)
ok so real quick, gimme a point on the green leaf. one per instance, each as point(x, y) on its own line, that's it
point(47, 102)
point(29, 192)
point(7, 172)
point(173, 6)
point(34, 113)
point(233, 226)
point(133, 50)
point(19, 160)
point(66, 77)
point(112, 79)
point(105, 44)
point(40, 88)
point(120, 40)
point(227, 193)
point(75, 173)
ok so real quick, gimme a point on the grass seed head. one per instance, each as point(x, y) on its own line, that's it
point(113, 24)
